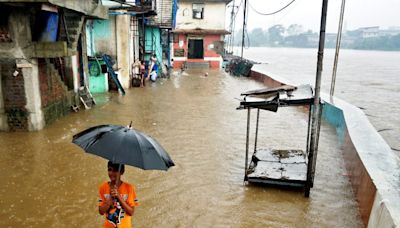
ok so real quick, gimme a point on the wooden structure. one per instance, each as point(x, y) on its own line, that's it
point(279, 166)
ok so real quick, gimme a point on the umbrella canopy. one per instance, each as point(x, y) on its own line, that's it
point(124, 145)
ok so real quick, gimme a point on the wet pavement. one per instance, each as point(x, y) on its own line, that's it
point(49, 182)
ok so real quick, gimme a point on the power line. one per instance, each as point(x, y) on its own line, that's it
point(268, 14)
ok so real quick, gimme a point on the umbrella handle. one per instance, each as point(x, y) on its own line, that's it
point(119, 174)
point(130, 125)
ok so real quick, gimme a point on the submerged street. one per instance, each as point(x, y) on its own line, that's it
point(49, 182)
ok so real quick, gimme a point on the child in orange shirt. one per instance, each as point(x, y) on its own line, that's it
point(117, 200)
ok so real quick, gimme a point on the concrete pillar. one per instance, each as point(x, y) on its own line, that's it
point(135, 40)
point(123, 22)
point(3, 116)
point(75, 73)
point(84, 55)
point(33, 99)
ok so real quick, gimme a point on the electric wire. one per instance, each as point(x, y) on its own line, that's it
point(272, 13)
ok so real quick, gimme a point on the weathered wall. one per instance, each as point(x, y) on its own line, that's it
point(20, 33)
point(103, 36)
point(55, 98)
point(3, 116)
point(214, 16)
point(32, 93)
point(210, 55)
point(14, 98)
point(123, 52)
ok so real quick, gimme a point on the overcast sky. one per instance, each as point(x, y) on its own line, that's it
point(358, 13)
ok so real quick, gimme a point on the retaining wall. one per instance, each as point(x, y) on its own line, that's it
point(373, 169)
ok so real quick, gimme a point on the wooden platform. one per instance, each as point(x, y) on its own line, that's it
point(278, 167)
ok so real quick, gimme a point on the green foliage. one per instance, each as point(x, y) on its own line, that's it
point(294, 36)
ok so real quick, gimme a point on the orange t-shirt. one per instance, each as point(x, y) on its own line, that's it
point(116, 216)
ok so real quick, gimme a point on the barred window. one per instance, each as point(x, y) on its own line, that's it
point(198, 10)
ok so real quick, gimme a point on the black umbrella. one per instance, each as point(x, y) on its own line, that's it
point(124, 145)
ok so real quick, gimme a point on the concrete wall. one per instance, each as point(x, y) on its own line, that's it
point(103, 37)
point(14, 98)
point(55, 99)
point(33, 96)
point(214, 16)
point(113, 37)
point(373, 168)
point(20, 33)
point(21, 106)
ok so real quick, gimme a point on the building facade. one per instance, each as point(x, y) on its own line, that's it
point(199, 34)
point(43, 59)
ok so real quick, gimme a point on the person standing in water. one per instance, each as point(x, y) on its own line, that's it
point(117, 199)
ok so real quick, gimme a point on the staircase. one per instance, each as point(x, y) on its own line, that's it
point(197, 65)
point(70, 28)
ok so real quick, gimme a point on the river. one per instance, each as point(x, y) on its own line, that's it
point(367, 79)
point(49, 182)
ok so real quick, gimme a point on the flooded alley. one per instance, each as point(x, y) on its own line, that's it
point(49, 182)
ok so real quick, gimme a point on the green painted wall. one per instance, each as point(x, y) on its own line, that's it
point(153, 45)
point(100, 37)
point(98, 82)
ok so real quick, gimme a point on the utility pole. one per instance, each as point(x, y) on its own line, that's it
point(338, 41)
point(316, 109)
point(244, 26)
point(232, 28)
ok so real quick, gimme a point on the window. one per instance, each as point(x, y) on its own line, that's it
point(176, 38)
point(198, 10)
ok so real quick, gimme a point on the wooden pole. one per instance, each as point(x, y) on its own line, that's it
point(312, 157)
point(256, 137)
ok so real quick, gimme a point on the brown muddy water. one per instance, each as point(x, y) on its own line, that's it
point(49, 182)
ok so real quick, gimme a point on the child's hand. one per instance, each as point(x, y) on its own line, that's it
point(114, 192)
point(109, 202)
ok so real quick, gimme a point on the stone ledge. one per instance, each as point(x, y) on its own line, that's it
point(49, 49)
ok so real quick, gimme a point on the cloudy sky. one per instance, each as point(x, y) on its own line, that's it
point(358, 13)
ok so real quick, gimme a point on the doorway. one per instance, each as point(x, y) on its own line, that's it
point(195, 49)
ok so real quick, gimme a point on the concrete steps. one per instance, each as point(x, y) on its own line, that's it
point(197, 65)
point(73, 25)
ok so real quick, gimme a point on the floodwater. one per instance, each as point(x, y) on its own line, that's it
point(49, 182)
point(369, 80)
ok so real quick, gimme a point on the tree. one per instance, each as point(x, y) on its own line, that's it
point(257, 37)
point(294, 29)
point(275, 34)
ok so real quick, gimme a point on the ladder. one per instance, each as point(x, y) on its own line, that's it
point(86, 97)
point(107, 60)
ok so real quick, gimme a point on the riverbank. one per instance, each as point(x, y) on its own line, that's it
point(371, 165)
